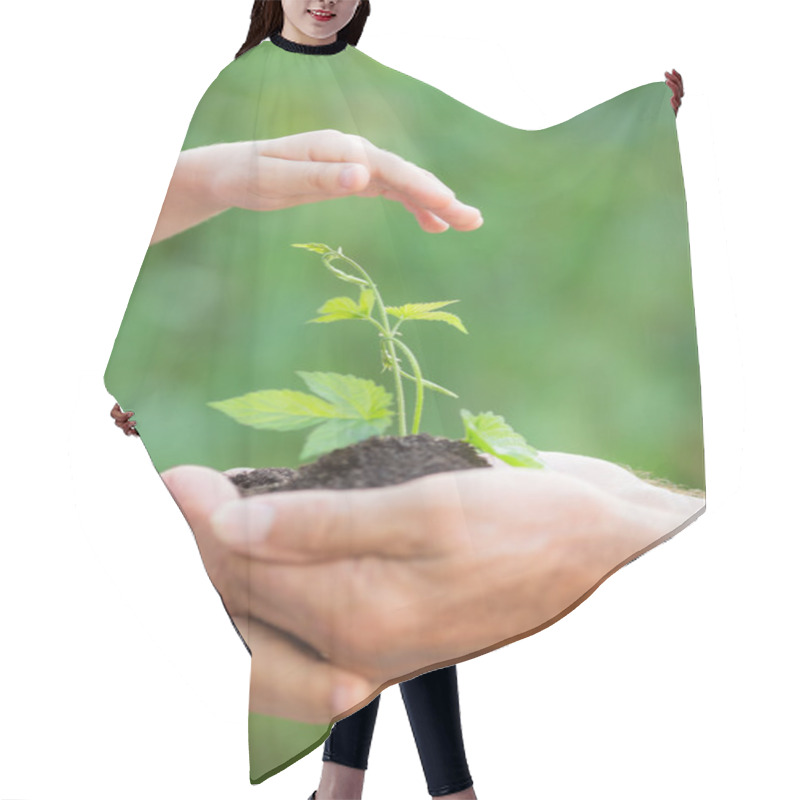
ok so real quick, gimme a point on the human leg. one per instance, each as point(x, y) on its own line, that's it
point(431, 701)
point(346, 753)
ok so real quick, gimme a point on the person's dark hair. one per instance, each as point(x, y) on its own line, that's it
point(266, 18)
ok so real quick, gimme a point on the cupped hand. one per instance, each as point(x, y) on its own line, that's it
point(322, 165)
point(675, 82)
point(288, 678)
point(386, 583)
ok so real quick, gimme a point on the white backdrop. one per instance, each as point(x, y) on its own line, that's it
point(120, 674)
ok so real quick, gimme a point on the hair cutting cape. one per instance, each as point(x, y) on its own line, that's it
point(576, 291)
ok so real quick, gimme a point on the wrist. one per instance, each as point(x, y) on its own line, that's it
point(199, 176)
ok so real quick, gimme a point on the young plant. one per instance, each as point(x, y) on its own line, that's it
point(344, 409)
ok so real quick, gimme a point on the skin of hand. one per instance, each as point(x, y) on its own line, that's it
point(675, 82)
point(288, 678)
point(303, 168)
point(388, 583)
point(122, 419)
point(293, 170)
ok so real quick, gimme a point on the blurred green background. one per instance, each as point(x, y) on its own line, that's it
point(576, 291)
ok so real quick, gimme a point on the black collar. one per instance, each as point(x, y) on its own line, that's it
point(309, 49)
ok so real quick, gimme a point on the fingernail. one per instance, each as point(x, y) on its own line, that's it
point(241, 521)
point(347, 177)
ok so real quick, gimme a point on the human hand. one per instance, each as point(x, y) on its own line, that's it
point(122, 419)
point(675, 82)
point(304, 168)
point(288, 678)
point(387, 583)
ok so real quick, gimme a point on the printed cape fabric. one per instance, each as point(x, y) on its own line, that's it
point(576, 291)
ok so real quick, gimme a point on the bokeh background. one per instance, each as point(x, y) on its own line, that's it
point(576, 291)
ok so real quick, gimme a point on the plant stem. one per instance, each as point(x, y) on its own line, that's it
point(420, 385)
point(390, 344)
point(430, 385)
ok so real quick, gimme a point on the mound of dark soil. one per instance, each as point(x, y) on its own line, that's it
point(379, 461)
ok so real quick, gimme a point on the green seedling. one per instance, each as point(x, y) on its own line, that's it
point(344, 409)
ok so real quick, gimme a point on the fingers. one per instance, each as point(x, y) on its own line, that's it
point(199, 491)
point(288, 182)
point(122, 419)
point(316, 601)
point(324, 525)
point(322, 145)
point(624, 485)
point(118, 414)
point(406, 182)
point(427, 220)
point(292, 599)
point(290, 680)
point(676, 87)
point(462, 218)
point(675, 82)
point(334, 163)
point(277, 180)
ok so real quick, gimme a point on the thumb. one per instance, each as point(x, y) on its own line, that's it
point(199, 492)
point(411, 520)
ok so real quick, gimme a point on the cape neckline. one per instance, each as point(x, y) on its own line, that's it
point(308, 49)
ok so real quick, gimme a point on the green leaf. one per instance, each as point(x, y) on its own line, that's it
point(339, 308)
point(366, 302)
point(410, 309)
point(347, 410)
point(492, 434)
point(314, 247)
point(277, 410)
point(427, 311)
point(364, 405)
point(357, 398)
point(337, 433)
point(443, 316)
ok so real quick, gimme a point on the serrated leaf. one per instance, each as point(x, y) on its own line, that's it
point(443, 316)
point(338, 308)
point(357, 398)
point(314, 247)
point(412, 308)
point(340, 397)
point(334, 434)
point(278, 409)
point(492, 434)
point(427, 311)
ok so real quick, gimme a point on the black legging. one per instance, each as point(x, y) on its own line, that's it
point(431, 703)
